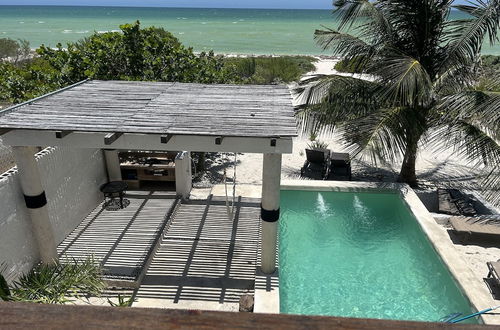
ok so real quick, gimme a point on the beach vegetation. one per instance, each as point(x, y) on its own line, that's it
point(14, 50)
point(151, 54)
point(427, 84)
point(56, 283)
point(27, 79)
point(270, 70)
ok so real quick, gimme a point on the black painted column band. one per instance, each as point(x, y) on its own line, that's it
point(35, 202)
point(269, 216)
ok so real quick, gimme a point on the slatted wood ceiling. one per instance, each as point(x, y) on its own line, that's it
point(161, 108)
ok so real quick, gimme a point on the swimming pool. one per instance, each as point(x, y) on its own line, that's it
point(360, 254)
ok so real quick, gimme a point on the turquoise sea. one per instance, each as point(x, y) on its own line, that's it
point(240, 31)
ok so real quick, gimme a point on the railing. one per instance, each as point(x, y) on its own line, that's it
point(38, 316)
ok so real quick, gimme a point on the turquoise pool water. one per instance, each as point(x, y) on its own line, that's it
point(360, 255)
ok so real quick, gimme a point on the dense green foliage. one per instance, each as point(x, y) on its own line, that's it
point(55, 283)
point(27, 80)
point(491, 62)
point(14, 49)
point(135, 54)
point(270, 70)
point(426, 86)
point(151, 54)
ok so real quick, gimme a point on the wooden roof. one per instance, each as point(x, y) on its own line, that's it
point(160, 108)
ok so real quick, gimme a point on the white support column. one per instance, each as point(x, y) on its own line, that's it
point(183, 177)
point(113, 164)
point(36, 202)
point(270, 210)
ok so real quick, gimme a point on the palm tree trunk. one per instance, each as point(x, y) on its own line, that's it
point(408, 174)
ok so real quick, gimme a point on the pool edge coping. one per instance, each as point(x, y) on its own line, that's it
point(474, 290)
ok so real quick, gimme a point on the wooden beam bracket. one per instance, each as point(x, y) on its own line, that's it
point(218, 140)
point(111, 137)
point(165, 138)
point(62, 134)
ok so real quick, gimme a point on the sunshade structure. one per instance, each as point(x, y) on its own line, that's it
point(134, 115)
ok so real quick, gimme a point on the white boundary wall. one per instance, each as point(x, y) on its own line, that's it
point(71, 179)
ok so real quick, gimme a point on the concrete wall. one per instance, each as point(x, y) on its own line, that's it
point(71, 178)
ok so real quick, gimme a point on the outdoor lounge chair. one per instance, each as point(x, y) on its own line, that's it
point(494, 270)
point(316, 164)
point(486, 226)
point(340, 166)
point(453, 202)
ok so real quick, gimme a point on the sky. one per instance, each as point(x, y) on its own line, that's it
point(291, 4)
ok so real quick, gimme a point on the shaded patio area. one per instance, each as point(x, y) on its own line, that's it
point(206, 260)
point(122, 240)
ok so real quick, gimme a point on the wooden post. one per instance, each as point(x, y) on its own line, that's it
point(36, 202)
point(270, 210)
point(113, 165)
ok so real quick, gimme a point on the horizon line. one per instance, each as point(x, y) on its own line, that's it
point(174, 7)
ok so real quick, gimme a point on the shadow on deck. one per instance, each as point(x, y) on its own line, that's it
point(206, 260)
point(122, 240)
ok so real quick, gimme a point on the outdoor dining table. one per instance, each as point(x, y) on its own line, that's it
point(114, 189)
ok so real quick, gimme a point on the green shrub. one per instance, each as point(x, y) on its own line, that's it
point(14, 49)
point(491, 62)
point(151, 54)
point(56, 283)
point(30, 79)
point(270, 70)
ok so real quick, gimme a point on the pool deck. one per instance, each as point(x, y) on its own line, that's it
point(454, 258)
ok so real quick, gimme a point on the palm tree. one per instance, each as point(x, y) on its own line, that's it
point(426, 85)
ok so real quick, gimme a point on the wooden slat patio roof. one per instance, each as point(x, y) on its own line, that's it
point(160, 108)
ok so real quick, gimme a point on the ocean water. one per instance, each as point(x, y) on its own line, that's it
point(360, 255)
point(239, 31)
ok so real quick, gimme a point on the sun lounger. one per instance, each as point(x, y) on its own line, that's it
point(494, 270)
point(453, 202)
point(486, 226)
point(316, 164)
point(340, 166)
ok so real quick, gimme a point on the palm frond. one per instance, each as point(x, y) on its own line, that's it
point(469, 141)
point(406, 81)
point(366, 17)
point(342, 44)
point(474, 106)
point(465, 37)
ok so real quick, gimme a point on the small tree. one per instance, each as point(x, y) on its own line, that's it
point(8, 48)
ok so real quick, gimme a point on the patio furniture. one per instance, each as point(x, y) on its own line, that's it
point(452, 201)
point(486, 226)
point(494, 270)
point(340, 166)
point(316, 164)
point(112, 190)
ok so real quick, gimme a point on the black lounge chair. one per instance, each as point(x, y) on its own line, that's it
point(316, 164)
point(494, 271)
point(340, 166)
point(453, 202)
